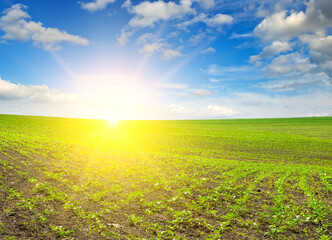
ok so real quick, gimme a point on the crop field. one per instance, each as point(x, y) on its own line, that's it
point(192, 179)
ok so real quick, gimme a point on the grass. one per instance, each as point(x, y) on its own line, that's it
point(200, 179)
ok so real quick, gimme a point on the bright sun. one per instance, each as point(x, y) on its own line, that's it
point(112, 121)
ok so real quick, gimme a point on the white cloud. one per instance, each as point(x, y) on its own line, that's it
point(34, 93)
point(215, 80)
point(265, 8)
point(11, 23)
point(281, 26)
point(282, 4)
point(174, 109)
point(124, 37)
point(96, 5)
point(320, 47)
point(215, 21)
point(169, 54)
point(293, 64)
point(42, 100)
point(194, 111)
point(201, 92)
point(16, 24)
point(219, 111)
point(148, 13)
point(270, 51)
point(319, 43)
point(152, 44)
point(243, 35)
point(96, 97)
point(173, 34)
point(126, 4)
point(196, 19)
point(252, 105)
point(209, 50)
point(219, 19)
point(290, 85)
point(147, 38)
point(312, 56)
point(293, 72)
point(242, 73)
point(217, 70)
point(197, 38)
point(151, 48)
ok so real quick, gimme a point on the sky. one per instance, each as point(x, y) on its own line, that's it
point(186, 59)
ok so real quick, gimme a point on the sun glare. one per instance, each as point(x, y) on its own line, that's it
point(112, 121)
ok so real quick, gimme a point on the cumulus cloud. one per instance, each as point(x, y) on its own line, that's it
point(124, 37)
point(151, 48)
point(126, 4)
point(196, 19)
point(197, 38)
point(96, 5)
point(148, 13)
point(152, 44)
point(293, 64)
point(219, 19)
point(215, 21)
point(320, 47)
point(219, 111)
point(33, 93)
point(293, 72)
point(209, 50)
point(282, 26)
point(272, 50)
point(319, 44)
point(169, 54)
point(146, 38)
point(16, 24)
point(310, 65)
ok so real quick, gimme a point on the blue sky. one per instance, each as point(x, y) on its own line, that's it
point(187, 59)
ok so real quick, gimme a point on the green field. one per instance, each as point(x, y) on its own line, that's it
point(201, 179)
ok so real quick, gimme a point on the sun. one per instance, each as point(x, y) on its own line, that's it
point(112, 121)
